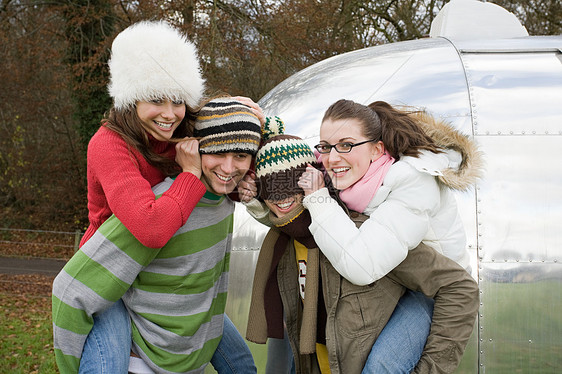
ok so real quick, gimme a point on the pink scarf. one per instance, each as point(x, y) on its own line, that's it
point(360, 194)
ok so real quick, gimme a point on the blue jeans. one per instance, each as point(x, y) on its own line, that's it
point(108, 346)
point(279, 356)
point(400, 344)
point(232, 354)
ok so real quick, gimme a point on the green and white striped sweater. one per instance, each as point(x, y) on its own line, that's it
point(175, 295)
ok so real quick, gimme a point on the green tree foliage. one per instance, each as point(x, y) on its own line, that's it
point(88, 29)
point(41, 162)
point(54, 72)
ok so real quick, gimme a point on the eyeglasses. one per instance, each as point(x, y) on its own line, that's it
point(344, 147)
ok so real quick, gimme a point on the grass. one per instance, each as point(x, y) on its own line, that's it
point(25, 325)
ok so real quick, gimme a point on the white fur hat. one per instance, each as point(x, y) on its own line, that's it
point(153, 60)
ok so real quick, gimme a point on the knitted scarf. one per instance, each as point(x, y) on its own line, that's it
point(265, 318)
point(357, 196)
point(292, 226)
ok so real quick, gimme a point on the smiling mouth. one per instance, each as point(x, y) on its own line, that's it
point(285, 206)
point(223, 178)
point(164, 126)
point(341, 170)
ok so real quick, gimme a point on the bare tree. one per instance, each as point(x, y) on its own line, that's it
point(54, 72)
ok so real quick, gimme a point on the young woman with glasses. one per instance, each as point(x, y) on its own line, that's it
point(399, 168)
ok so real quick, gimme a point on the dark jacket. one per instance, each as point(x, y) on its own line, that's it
point(357, 314)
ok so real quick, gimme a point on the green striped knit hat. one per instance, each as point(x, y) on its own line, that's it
point(280, 161)
point(226, 125)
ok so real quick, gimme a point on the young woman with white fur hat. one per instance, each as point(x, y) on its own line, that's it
point(156, 86)
point(166, 305)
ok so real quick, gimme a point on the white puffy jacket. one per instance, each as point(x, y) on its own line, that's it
point(415, 203)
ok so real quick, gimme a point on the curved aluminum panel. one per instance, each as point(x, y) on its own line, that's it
point(424, 73)
point(508, 95)
point(515, 93)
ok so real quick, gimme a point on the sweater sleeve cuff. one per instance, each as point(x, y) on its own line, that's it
point(258, 210)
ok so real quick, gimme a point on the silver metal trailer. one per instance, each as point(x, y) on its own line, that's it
point(506, 94)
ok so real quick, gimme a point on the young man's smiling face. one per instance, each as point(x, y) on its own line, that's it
point(222, 172)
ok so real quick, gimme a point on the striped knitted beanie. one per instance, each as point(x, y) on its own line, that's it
point(280, 162)
point(226, 125)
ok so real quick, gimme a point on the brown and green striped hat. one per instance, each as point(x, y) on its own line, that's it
point(280, 161)
point(226, 125)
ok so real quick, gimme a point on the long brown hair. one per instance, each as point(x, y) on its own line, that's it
point(127, 123)
point(399, 130)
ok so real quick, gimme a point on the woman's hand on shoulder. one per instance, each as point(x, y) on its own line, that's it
point(187, 156)
point(311, 180)
point(252, 104)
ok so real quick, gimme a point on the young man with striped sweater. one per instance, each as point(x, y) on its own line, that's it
point(175, 296)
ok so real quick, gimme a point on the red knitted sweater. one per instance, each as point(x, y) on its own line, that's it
point(120, 182)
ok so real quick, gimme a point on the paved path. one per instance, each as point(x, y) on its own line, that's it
point(15, 265)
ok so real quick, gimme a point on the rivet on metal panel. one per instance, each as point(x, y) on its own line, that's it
point(546, 132)
point(499, 132)
point(530, 341)
point(523, 132)
point(517, 260)
point(511, 132)
point(490, 339)
point(534, 132)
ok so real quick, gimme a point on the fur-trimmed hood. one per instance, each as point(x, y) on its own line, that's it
point(471, 164)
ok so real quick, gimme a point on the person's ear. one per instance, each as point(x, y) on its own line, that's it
point(378, 151)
